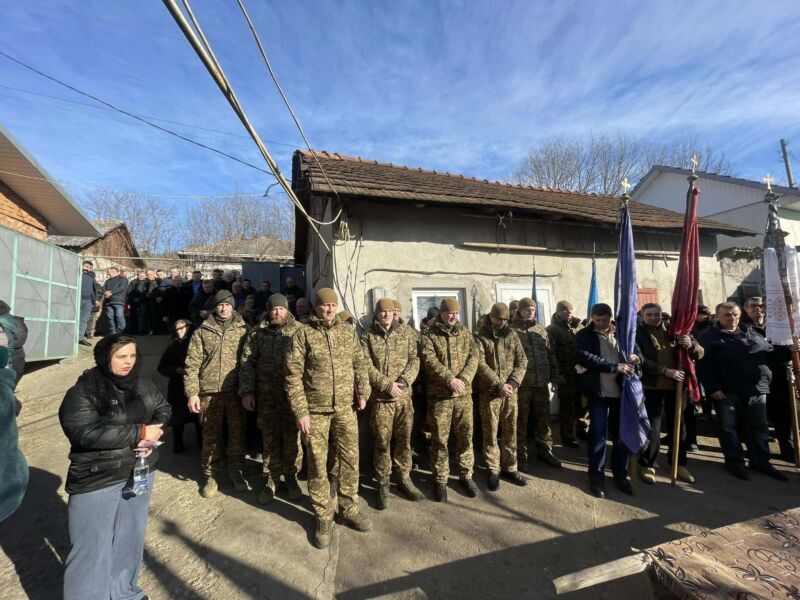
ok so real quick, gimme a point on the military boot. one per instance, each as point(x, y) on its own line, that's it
point(548, 457)
point(515, 477)
point(494, 482)
point(410, 490)
point(209, 488)
point(383, 496)
point(238, 480)
point(323, 533)
point(268, 493)
point(356, 521)
point(295, 493)
point(469, 486)
point(440, 492)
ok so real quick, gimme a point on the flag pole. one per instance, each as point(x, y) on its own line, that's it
point(676, 426)
point(775, 237)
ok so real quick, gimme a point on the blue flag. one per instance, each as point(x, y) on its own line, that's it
point(594, 297)
point(633, 423)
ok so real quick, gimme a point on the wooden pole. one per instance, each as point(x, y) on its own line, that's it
point(676, 430)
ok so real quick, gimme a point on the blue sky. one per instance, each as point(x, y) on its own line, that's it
point(468, 87)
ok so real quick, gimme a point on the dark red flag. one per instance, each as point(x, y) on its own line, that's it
point(685, 296)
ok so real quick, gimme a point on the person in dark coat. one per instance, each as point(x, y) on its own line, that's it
point(735, 373)
point(171, 366)
point(17, 332)
point(176, 302)
point(202, 304)
point(13, 468)
point(110, 415)
point(114, 290)
point(135, 299)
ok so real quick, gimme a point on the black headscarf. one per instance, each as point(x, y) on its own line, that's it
point(108, 387)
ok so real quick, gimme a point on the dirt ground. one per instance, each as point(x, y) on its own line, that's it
point(507, 544)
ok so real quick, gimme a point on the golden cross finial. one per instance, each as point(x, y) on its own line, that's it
point(695, 162)
point(768, 181)
point(625, 185)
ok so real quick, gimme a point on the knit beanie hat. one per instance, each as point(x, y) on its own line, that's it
point(278, 300)
point(397, 304)
point(223, 297)
point(449, 305)
point(563, 305)
point(326, 296)
point(499, 311)
point(384, 304)
point(525, 303)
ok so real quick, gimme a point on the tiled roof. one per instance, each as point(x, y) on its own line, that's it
point(261, 248)
point(364, 178)
point(72, 241)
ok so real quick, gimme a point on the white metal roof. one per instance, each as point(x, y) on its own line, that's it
point(34, 185)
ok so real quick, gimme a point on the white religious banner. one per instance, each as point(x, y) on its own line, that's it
point(778, 331)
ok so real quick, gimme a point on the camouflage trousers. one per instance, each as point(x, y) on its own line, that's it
point(344, 426)
point(451, 414)
point(281, 438)
point(391, 424)
point(569, 400)
point(214, 409)
point(500, 412)
point(536, 399)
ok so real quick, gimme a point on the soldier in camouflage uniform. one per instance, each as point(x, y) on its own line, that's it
point(450, 355)
point(325, 365)
point(533, 394)
point(561, 331)
point(211, 382)
point(261, 386)
point(500, 372)
point(390, 350)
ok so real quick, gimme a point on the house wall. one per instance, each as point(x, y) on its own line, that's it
point(668, 190)
point(115, 243)
point(17, 215)
point(401, 250)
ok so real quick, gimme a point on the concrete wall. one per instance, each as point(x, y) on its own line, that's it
point(403, 249)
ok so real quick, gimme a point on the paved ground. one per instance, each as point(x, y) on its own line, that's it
point(509, 544)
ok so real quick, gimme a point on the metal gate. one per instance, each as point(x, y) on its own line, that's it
point(41, 283)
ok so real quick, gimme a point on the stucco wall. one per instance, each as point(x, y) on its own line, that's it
point(402, 250)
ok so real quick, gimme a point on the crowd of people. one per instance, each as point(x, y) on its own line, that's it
point(305, 373)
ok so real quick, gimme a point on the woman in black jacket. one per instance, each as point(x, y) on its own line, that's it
point(110, 415)
point(171, 366)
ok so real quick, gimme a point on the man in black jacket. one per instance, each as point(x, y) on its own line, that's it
point(114, 290)
point(602, 369)
point(90, 298)
point(736, 375)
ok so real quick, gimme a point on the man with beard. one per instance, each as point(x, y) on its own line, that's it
point(500, 373)
point(211, 383)
point(393, 364)
point(324, 367)
point(533, 393)
point(261, 386)
point(562, 329)
point(450, 355)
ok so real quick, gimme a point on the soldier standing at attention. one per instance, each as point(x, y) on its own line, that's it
point(561, 331)
point(211, 382)
point(500, 373)
point(533, 394)
point(261, 386)
point(325, 364)
point(392, 362)
point(450, 355)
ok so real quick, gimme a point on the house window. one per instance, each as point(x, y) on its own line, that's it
point(424, 299)
point(646, 296)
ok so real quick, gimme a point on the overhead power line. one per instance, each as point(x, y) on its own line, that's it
point(132, 115)
point(206, 55)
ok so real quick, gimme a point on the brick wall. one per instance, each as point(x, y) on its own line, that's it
point(17, 215)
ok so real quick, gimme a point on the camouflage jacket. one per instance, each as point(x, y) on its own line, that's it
point(502, 360)
point(212, 360)
point(391, 357)
point(325, 367)
point(563, 343)
point(261, 370)
point(449, 353)
point(542, 365)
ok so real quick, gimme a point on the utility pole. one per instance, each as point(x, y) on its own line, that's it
point(786, 163)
